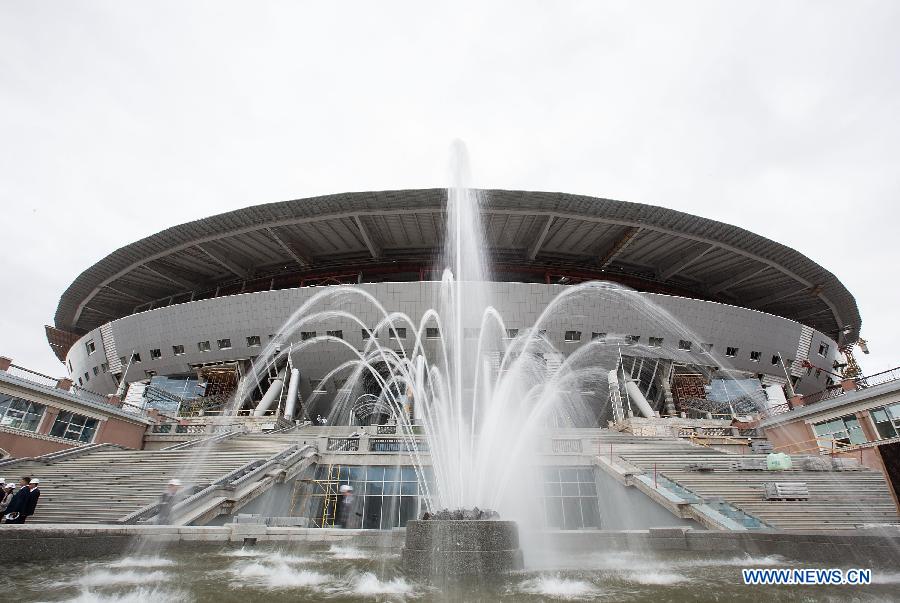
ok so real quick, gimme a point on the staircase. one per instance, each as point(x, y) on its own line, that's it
point(838, 500)
point(106, 485)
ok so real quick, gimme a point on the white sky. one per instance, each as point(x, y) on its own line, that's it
point(119, 119)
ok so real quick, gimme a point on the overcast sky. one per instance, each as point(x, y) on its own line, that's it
point(119, 119)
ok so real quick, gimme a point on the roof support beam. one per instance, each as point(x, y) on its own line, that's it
point(367, 238)
point(736, 279)
point(536, 245)
point(301, 260)
point(170, 276)
point(615, 250)
point(127, 292)
point(226, 263)
point(778, 296)
point(683, 262)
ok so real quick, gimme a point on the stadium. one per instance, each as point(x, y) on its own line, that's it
point(185, 311)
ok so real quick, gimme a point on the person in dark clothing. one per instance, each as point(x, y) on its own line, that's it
point(18, 502)
point(167, 501)
point(346, 508)
point(34, 493)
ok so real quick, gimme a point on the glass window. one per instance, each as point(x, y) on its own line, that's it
point(369, 334)
point(224, 344)
point(304, 335)
point(512, 333)
point(155, 353)
point(597, 336)
point(823, 349)
point(203, 346)
point(731, 352)
point(336, 333)
point(399, 333)
point(755, 356)
point(104, 367)
point(136, 357)
point(684, 344)
point(572, 336)
point(96, 371)
point(253, 341)
point(887, 420)
point(432, 333)
point(845, 430)
point(177, 350)
point(775, 359)
point(91, 348)
point(656, 342)
point(20, 414)
point(706, 347)
point(87, 377)
point(634, 339)
point(72, 426)
point(570, 498)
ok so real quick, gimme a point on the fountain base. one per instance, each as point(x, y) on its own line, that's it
point(438, 549)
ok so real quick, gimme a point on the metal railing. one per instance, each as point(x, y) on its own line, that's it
point(566, 446)
point(397, 445)
point(29, 375)
point(879, 378)
point(343, 445)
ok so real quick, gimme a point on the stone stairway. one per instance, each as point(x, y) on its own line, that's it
point(108, 484)
point(837, 499)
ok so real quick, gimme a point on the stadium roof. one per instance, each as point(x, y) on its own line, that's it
point(375, 233)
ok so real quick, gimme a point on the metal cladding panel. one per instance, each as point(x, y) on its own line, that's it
point(326, 228)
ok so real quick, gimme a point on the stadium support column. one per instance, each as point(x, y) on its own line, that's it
point(271, 395)
point(293, 389)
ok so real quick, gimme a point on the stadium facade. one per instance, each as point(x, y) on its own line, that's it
point(193, 305)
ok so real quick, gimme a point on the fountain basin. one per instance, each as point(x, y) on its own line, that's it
point(441, 549)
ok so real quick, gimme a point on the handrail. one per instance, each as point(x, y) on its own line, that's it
point(232, 479)
point(53, 457)
point(202, 441)
point(835, 446)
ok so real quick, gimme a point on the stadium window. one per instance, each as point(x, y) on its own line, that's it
point(304, 335)
point(253, 341)
point(706, 347)
point(177, 350)
point(366, 334)
point(87, 377)
point(808, 371)
point(823, 349)
point(335, 333)
point(512, 333)
point(656, 342)
point(775, 360)
point(96, 371)
point(755, 356)
point(155, 354)
point(80, 382)
point(731, 352)
point(398, 333)
point(542, 332)
point(818, 373)
point(104, 367)
point(684, 344)
point(91, 348)
point(432, 333)
point(224, 344)
point(203, 346)
point(596, 336)
point(123, 361)
point(572, 336)
point(136, 357)
point(633, 339)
